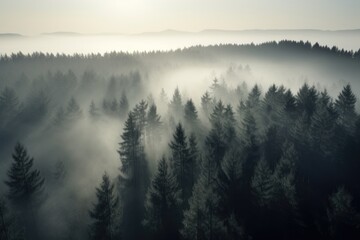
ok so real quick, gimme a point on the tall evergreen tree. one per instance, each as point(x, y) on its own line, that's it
point(181, 162)
point(163, 204)
point(253, 100)
point(345, 107)
point(134, 178)
point(206, 103)
point(191, 115)
point(153, 133)
point(262, 184)
point(105, 212)
point(175, 106)
point(25, 186)
point(24, 182)
point(139, 113)
point(202, 220)
point(306, 100)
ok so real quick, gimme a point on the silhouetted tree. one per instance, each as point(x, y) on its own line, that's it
point(206, 103)
point(163, 204)
point(134, 178)
point(191, 116)
point(345, 107)
point(181, 162)
point(175, 106)
point(24, 183)
point(105, 212)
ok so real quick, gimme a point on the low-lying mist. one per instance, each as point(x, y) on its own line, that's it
point(70, 112)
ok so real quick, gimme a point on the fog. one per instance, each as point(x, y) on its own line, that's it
point(74, 144)
point(70, 43)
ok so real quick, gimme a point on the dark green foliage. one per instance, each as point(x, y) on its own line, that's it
point(133, 179)
point(105, 212)
point(229, 183)
point(345, 107)
point(262, 184)
point(253, 100)
point(191, 115)
point(163, 204)
point(306, 100)
point(140, 116)
point(202, 220)
point(181, 162)
point(24, 182)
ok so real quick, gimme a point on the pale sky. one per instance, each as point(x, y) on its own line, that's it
point(31, 17)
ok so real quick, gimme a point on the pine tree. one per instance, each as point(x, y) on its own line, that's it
point(206, 103)
point(123, 106)
point(191, 116)
point(153, 132)
point(134, 178)
point(228, 184)
point(24, 183)
point(323, 126)
point(216, 140)
point(163, 204)
point(306, 100)
point(105, 212)
point(273, 106)
point(194, 158)
point(181, 162)
point(262, 184)
point(285, 203)
point(253, 100)
point(202, 220)
point(345, 107)
point(153, 121)
point(175, 106)
point(139, 113)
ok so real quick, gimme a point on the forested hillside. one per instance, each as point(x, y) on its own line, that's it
point(132, 146)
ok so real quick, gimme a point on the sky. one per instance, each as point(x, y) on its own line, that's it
point(31, 17)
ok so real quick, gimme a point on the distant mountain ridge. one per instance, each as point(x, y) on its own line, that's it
point(205, 31)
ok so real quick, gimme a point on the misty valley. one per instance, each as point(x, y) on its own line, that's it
point(228, 141)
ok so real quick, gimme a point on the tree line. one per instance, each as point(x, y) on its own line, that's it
point(278, 165)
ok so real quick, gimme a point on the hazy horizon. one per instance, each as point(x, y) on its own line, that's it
point(70, 42)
